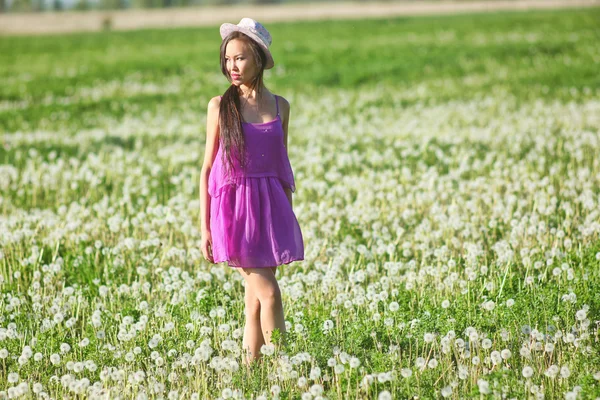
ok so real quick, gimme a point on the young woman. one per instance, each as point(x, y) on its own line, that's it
point(247, 182)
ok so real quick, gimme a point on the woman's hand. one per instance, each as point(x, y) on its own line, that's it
point(206, 246)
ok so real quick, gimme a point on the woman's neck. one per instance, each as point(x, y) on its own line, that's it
point(251, 94)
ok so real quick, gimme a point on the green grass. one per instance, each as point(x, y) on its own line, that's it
point(402, 52)
point(460, 150)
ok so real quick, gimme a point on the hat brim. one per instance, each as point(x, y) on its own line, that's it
point(227, 28)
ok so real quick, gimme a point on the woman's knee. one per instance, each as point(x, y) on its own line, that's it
point(269, 295)
point(252, 303)
point(264, 285)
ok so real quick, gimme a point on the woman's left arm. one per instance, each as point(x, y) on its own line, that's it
point(285, 111)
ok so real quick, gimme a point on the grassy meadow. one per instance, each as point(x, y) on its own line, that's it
point(448, 190)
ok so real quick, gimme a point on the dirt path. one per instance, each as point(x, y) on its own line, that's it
point(201, 16)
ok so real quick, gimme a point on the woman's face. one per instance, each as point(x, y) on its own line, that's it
point(239, 62)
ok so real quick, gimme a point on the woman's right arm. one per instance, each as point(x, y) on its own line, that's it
point(212, 146)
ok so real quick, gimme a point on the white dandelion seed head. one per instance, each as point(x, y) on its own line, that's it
point(484, 386)
point(406, 372)
point(446, 391)
point(385, 395)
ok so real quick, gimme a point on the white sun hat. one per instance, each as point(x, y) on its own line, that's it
point(256, 31)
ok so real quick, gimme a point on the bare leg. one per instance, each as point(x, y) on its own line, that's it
point(253, 336)
point(264, 285)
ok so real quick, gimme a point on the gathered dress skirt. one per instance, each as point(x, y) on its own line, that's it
point(253, 224)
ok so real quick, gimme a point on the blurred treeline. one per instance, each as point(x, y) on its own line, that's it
point(7, 6)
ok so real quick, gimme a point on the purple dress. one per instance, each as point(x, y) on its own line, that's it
point(251, 220)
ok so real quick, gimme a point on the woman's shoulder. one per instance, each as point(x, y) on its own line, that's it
point(214, 105)
point(214, 102)
point(282, 100)
point(284, 105)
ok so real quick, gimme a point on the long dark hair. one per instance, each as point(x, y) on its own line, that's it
point(230, 116)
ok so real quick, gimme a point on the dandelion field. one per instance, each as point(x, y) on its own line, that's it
point(448, 189)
